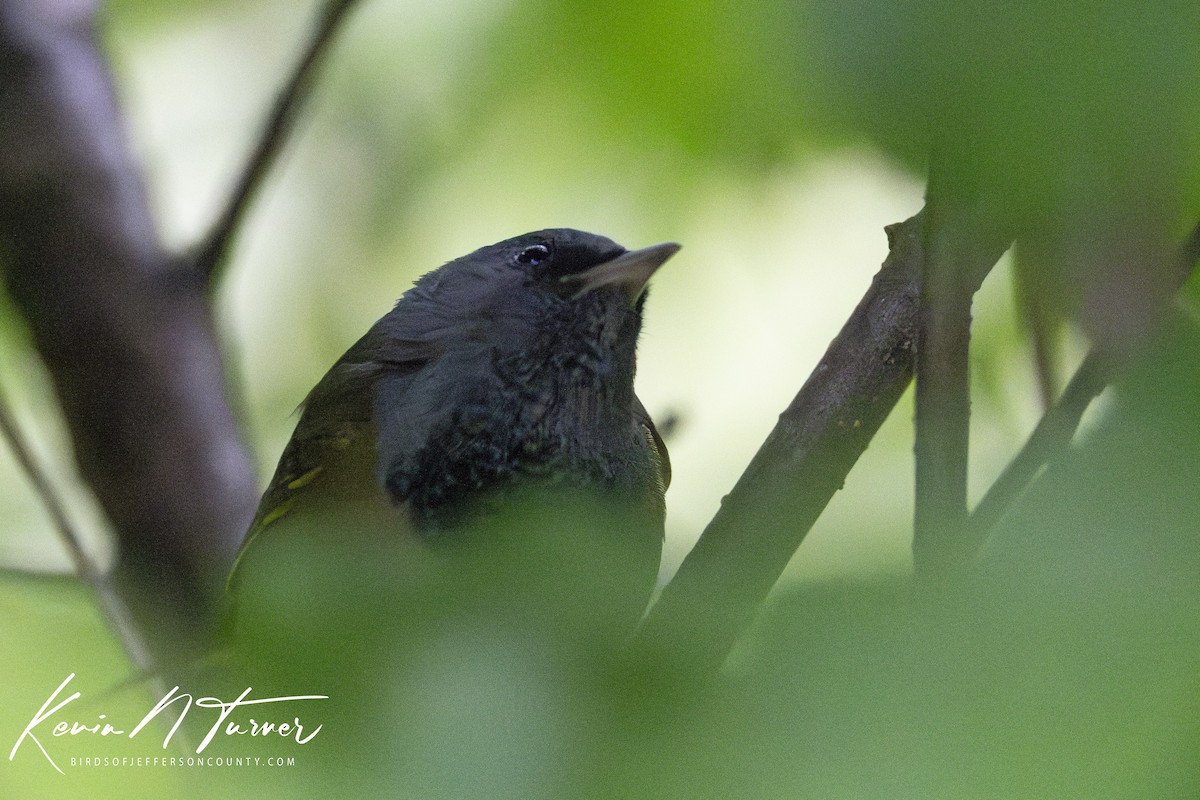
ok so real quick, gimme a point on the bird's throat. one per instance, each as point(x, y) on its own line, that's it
point(553, 428)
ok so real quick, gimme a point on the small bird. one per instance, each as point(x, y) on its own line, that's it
point(488, 422)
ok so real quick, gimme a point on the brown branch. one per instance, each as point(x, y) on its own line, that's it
point(961, 246)
point(803, 462)
point(129, 343)
point(213, 252)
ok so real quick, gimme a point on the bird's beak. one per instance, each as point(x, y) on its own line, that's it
point(630, 271)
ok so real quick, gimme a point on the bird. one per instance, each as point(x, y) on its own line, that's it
point(483, 437)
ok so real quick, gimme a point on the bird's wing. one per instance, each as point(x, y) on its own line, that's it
point(332, 450)
point(657, 445)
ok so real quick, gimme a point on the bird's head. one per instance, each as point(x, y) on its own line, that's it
point(557, 283)
point(523, 350)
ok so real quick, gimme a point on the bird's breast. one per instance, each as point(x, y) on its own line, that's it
point(507, 436)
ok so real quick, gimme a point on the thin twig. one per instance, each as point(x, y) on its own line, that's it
point(1053, 434)
point(112, 606)
point(1050, 437)
point(1041, 325)
point(14, 573)
point(213, 252)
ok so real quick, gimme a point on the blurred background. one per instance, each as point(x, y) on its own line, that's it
point(773, 139)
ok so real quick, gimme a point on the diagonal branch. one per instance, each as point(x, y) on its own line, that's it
point(1054, 432)
point(800, 466)
point(1050, 437)
point(1041, 324)
point(213, 251)
point(116, 613)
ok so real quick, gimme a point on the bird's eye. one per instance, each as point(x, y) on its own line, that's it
point(534, 255)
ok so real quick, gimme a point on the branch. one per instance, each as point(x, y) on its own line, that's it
point(800, 466)
point(129, 344)
point(1055, 430)
point(1041, 324)
point(961, 246)
point(113, 607)
point(1189, 256)
point(1050, 438)
point(213, 253)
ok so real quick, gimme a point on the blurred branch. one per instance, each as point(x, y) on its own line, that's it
point(112, 605)
point(213, 252)
point(961, 247)
point(13, 573)
point(128, 341)
point(1041, 324)
point(800, 466)
point(1189, 257)
point(1050, 438)
point(1053, 434)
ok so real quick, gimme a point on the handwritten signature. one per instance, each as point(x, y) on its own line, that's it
point(101, 727)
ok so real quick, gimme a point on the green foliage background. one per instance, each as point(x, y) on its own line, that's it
point(774, 139)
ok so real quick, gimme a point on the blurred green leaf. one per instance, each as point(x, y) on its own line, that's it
point(51, 628)
point(1058, 106)
point(705, 78)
